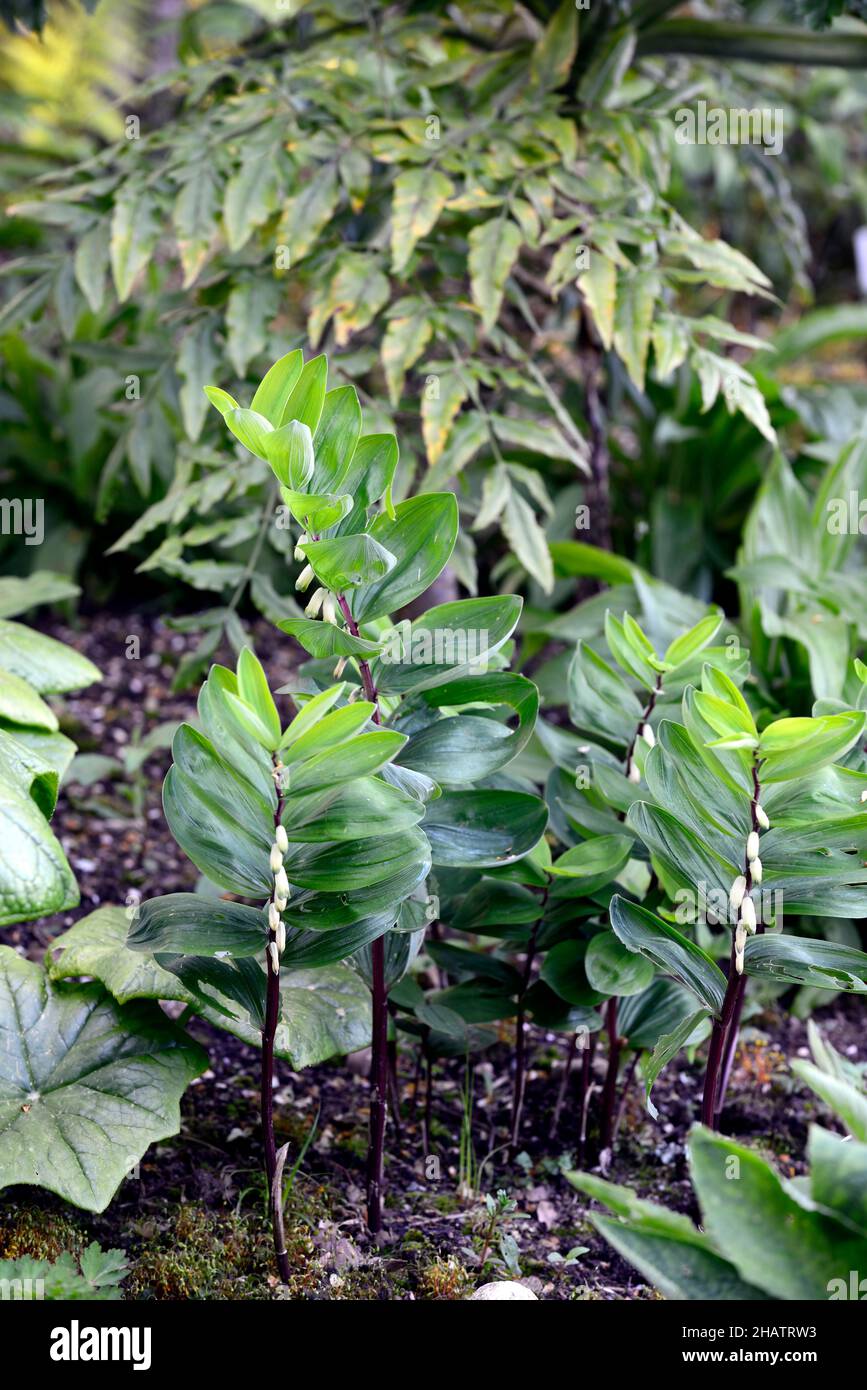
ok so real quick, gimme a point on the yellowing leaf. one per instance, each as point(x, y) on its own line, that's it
point(419, 198)
point(554, 53)
point(443, 397)
point(598, 285)
point(404, 342)
point(135, 229)
point(494, 248)
point(633, 316)
point(305, 215)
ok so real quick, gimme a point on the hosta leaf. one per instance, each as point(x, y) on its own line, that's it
point(419, 197)
point(85, 1084)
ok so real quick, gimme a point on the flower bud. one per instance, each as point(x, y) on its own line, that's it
point(739, 962)
point(648, 735)
point(864, 794)
point(339, 668)
point(329, 609)
point(275, 957)
point(748, 914)
point(315, 603)
point(281, 884)
point(762, 818)
point(281, 937)
point(756, 870)
point(302, 540)
point(740, 938)
point(305, 579)
point(276, 860)
point(280, 903)
point(273, 916)
point(753, 845)
point(737, 890)
point(281, 839)
point(633, 774)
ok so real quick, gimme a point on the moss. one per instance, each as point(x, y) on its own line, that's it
point(39, 1232)
point(207, 1255)
point(445, 1279)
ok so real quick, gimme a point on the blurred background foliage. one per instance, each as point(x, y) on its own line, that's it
point(193, 189)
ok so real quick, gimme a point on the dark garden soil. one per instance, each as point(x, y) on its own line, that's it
point(191, 1218)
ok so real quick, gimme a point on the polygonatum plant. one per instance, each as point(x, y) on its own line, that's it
point(436, 683)
point(296, 820)
point(742, 826)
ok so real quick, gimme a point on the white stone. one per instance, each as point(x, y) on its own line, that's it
point(505, 1289)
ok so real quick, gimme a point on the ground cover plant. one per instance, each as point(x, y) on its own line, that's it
point(433, 700)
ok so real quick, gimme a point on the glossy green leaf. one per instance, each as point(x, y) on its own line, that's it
point(669, 951)
point(421, 537)
point(613, 969)
point(86, 1085)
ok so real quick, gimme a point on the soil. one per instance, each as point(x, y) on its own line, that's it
point(191, 1219)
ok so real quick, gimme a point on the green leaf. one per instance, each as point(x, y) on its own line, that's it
point(361, 758)
point(308, 212)
point(613, 969)
point(336, 438)
point(339, 726)
point(773, 1240)
point(473, 746)
point(276, 387)
point(347, 562)
point(317, 512)
point(136, 225)
point(42, 586)
point(289, 450)
point(49, 666)
point(669, 951)
point(527, 539)
point(593, 863)
point(637, 293)
point(97, 947)
point(693, 640)
point(838, 1176)
point(197, 926)
point(563, 969)
point(553, 53)
point(250, 197)
point(419, 197)
point(35, 879)
point(403, 343)
point(194, 216)
point(91, 262)
point(448, 641)
point(421, 537)
point(790, 747)
point(494, 247)
point(325, 640)
point(307, 398)
point(475, 829)
point(598, 285)
point(253, 690)
point(804, 961)
point(666, 1049)
point(86, 1086)
point(837, 1093)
